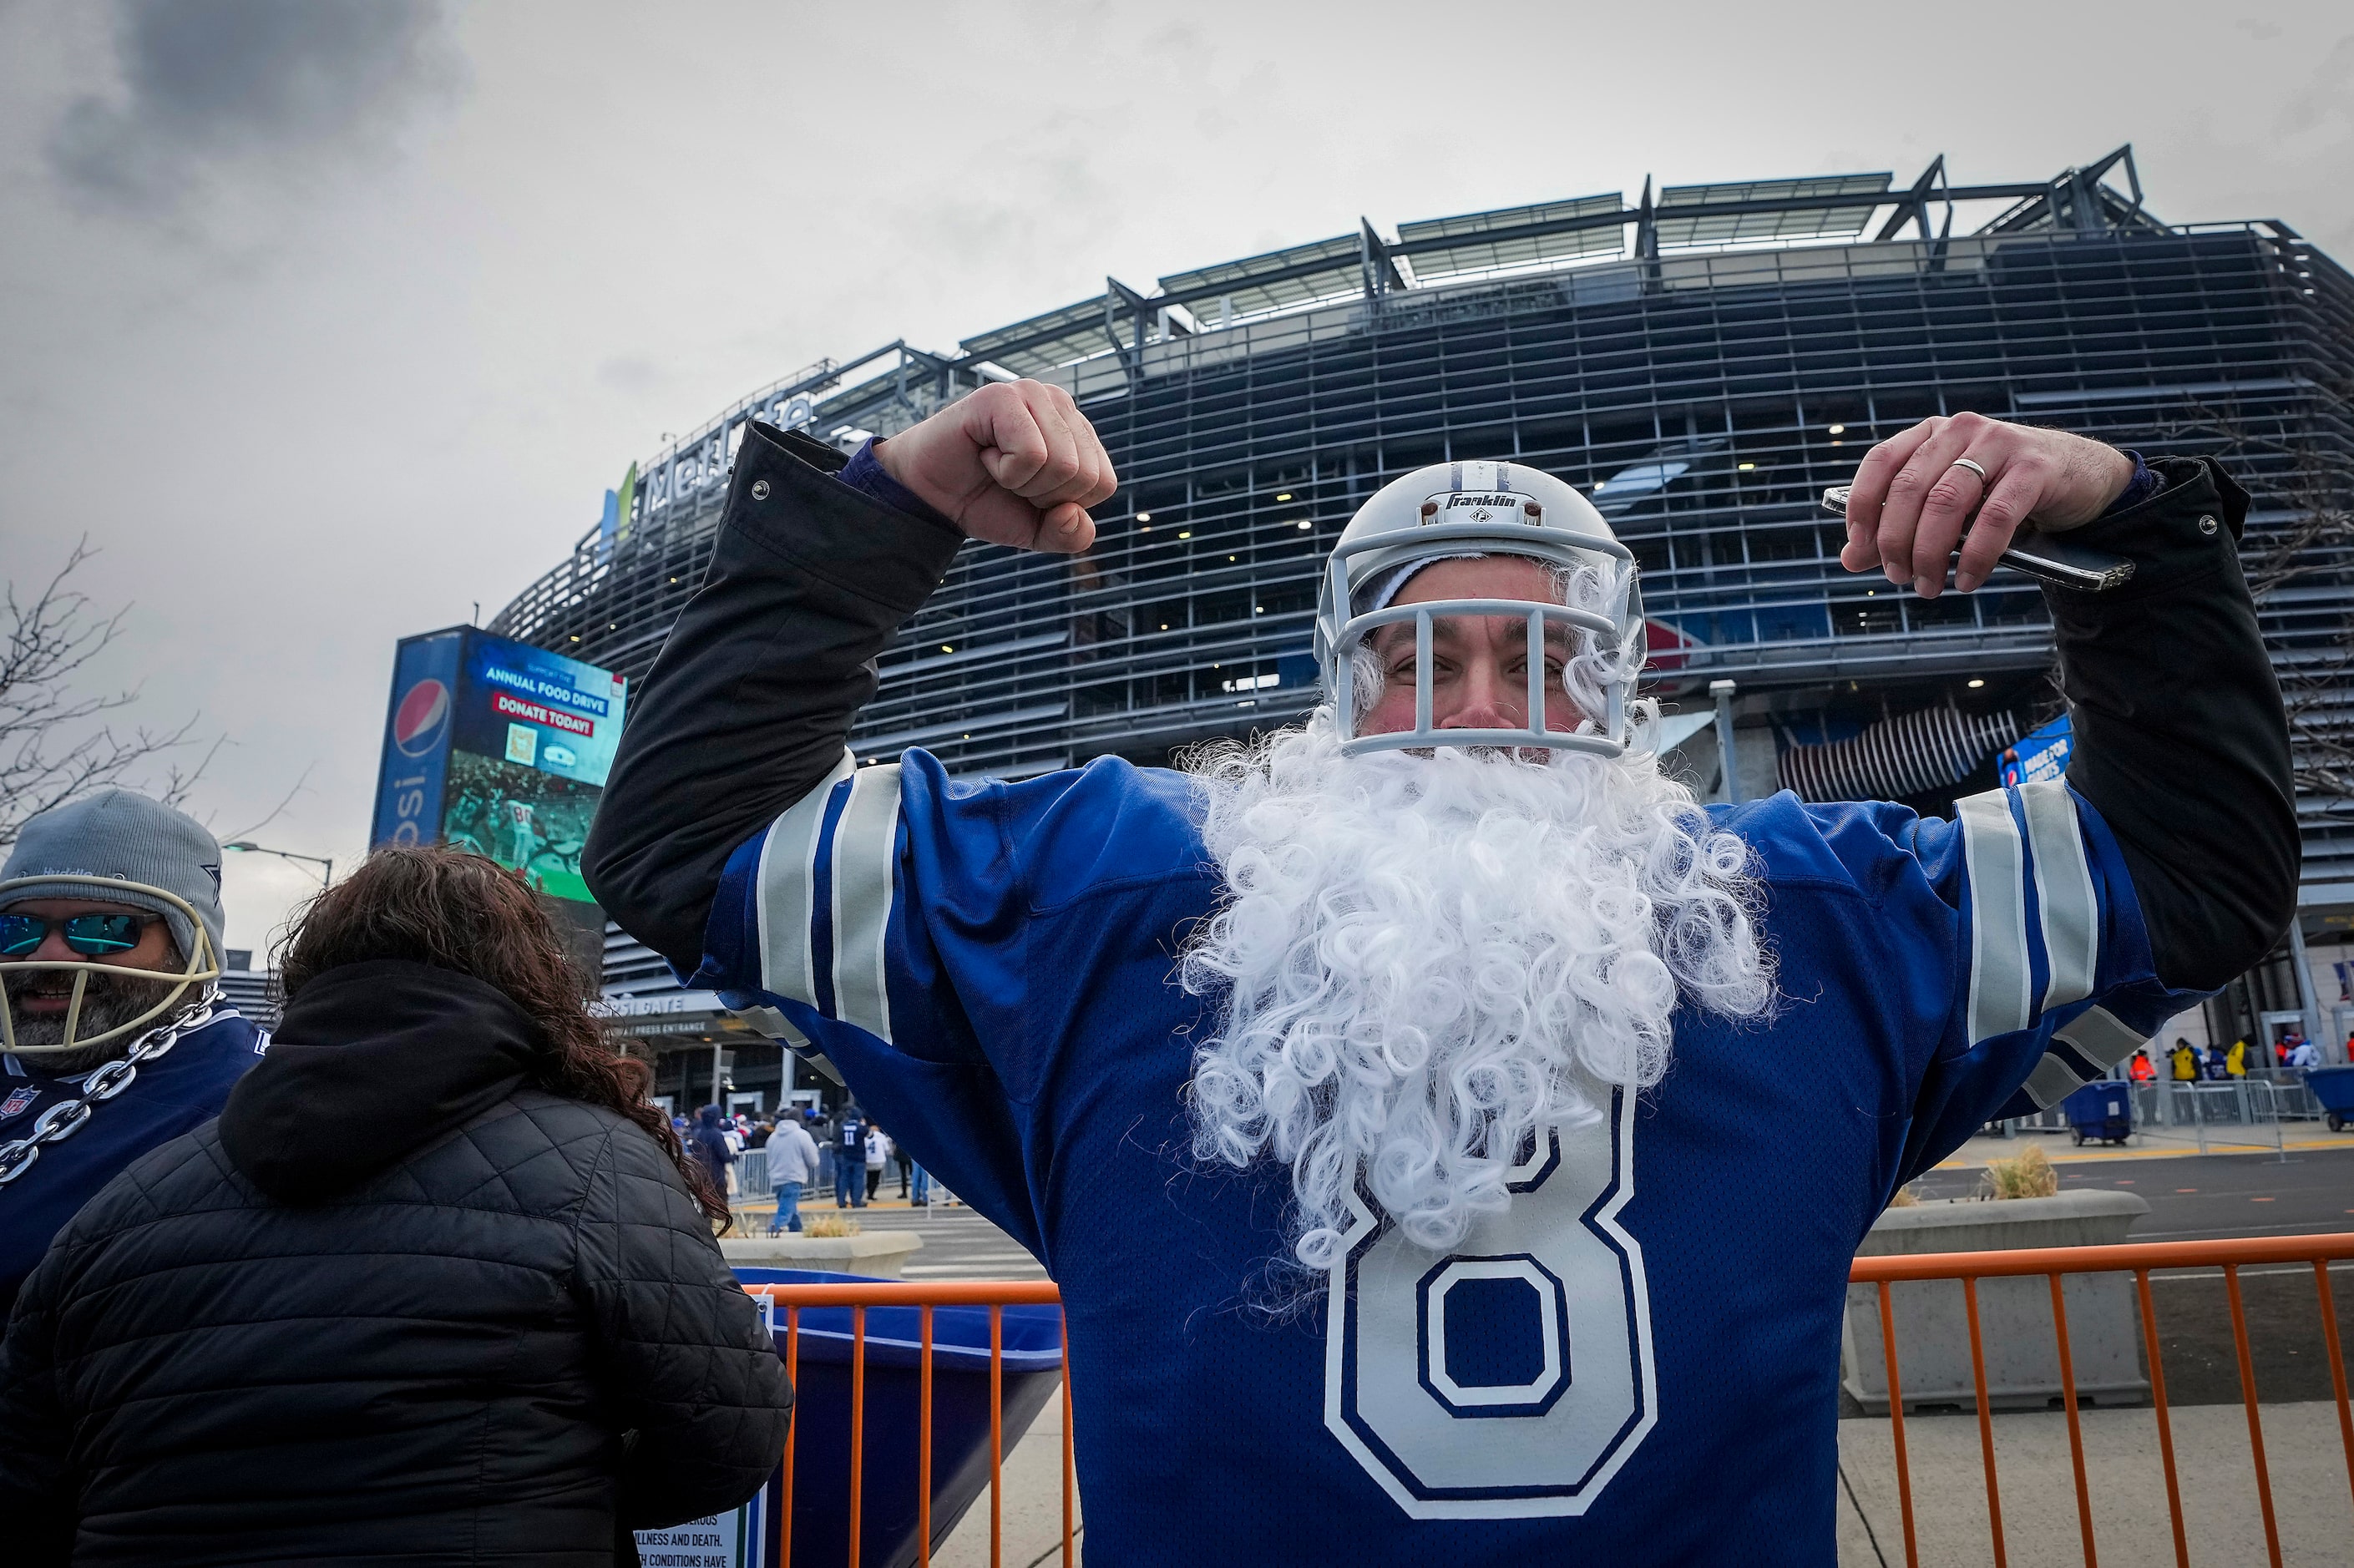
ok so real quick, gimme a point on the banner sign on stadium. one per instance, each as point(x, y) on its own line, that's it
point(2040, 755)
point(499, 748)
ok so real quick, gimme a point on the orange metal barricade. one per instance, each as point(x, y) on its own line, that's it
point(2139, 1259)
point(996, 1295)
point(1967, 1268)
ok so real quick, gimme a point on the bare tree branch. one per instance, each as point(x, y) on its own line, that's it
point(55, 740)
point(275, 812)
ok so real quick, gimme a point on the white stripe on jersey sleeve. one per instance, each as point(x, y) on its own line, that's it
point(2099, 1037)
point(865, 881)
point(788, 882)
point(1998, 1000)
point(2063, 891)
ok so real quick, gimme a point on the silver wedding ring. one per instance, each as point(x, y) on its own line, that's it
point(1965, 462)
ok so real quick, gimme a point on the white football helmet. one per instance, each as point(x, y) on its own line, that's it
point(1455, 509)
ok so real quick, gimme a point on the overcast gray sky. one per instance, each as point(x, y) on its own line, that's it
point(324, 321)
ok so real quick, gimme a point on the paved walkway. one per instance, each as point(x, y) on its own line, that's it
point(2150, 1143)
point(958, 1243)
point(2312, 1498)
point(1033, 1522)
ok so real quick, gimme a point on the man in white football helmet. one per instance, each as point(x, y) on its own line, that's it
point(1443, 1021)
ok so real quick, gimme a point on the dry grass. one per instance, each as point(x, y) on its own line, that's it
point(828, 1225)
point(1906, 1198)
point(2031, 1175)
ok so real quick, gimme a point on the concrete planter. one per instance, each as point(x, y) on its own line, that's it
point(878, 1256)
point(2022, 1351)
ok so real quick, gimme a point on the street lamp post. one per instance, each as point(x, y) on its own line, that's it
point(326, 863)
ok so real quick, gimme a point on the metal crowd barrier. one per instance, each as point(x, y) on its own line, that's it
point(791, 1300)
point(2139, 1259)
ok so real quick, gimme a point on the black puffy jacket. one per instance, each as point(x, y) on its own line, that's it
point(476, 1324)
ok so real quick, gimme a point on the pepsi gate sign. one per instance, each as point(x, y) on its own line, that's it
point(417, 733)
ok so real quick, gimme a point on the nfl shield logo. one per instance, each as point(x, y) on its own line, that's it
point(19, 1102)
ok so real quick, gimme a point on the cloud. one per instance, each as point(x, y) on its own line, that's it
point(206, 85)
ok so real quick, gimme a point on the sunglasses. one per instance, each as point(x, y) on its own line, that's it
point(93, 936)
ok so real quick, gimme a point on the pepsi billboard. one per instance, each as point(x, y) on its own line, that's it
point(499, 748)
point(416, 762)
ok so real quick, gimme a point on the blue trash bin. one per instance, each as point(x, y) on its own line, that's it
point(2334, 1088)
point(2101, 1110)
point(1032, 1369)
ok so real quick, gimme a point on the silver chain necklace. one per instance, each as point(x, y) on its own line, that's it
point(66, 1117)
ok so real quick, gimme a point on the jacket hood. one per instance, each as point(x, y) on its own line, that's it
point(371, 1062)
point(709, 1115)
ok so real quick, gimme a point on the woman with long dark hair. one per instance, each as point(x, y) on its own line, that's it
point(438, 1286)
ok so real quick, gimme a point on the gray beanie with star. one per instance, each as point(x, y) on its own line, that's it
point(122, 834)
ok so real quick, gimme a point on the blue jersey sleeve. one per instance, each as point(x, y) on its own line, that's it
point(2006, 944)
point(883, 923)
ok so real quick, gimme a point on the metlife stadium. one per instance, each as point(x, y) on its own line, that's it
point(1703, 361)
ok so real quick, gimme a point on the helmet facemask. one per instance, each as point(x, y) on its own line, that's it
point(199, 967)
point(1594, 603)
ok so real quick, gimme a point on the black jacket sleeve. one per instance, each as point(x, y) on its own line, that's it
point(750, 703)
point(2182, 741)
point(684, 1359)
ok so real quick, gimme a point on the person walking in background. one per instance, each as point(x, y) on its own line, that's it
point(792, 1165)
point(2216, 1064)
point(760, 1134)
point(2184, 1059)
point(2236, 1064)
point(906, 1162)
point(438, 1284)
point(2142, 1071)
point(922, 1194)
point(708, 1143)
point(850, 1159)
point(878, 1154)
point(2305, 1054)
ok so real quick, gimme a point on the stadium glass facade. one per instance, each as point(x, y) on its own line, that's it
point(1703, 363)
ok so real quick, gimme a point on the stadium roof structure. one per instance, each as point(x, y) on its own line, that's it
point(1541, 236)
point(1426, 256)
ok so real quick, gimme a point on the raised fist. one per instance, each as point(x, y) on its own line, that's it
point(1914, 496)
point(1014, 463)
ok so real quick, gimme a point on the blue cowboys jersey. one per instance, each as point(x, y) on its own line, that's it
point(1636, 1364)
point(182, 1088)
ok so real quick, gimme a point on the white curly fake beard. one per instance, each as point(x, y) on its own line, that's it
point(1424, 960)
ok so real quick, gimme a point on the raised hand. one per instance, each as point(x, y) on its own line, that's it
point(1913, 499)
point(1014, 463)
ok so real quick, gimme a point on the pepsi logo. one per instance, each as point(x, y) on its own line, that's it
point(422, 716)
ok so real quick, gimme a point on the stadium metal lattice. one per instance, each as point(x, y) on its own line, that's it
point(1703, 362)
